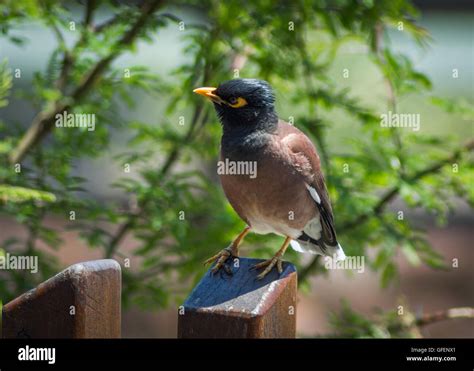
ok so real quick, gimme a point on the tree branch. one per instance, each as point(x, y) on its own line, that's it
point(392, 96)
point(90, 8)
point(43, 123)
point(389, 195)
point(393, 192)
point(452, 313)
point(414, 323)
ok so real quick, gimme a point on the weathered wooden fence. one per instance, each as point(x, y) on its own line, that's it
point(83, 301)
point(240, 306)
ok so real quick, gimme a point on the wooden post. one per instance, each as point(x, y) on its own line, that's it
point(240, 306)
point(83, 301)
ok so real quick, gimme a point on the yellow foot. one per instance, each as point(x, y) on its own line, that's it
point(269, 264)
point(220, 258)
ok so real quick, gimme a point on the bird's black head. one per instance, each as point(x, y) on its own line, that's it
point(243, 104)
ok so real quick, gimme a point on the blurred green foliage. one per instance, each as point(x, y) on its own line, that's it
point(292, 45)
point(397, 323)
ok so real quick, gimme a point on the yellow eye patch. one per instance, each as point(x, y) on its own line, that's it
point(237, 102)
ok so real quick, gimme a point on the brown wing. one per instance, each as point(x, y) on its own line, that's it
point(305, 159)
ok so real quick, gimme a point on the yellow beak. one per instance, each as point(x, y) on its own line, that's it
point(208, 93)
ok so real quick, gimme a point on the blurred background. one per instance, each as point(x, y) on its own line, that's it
point(154, 150)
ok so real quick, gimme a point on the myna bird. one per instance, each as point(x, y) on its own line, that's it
point(287, 195)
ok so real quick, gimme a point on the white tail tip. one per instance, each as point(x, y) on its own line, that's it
point(339, 253)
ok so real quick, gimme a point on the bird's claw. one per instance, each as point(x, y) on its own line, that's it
point(220, 258)
point(269, 264)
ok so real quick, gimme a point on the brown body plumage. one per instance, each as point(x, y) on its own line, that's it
point(282, 205)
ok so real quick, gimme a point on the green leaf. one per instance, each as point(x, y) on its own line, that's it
point(21, 194)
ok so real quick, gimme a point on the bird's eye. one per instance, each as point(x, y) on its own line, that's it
point(237, 102)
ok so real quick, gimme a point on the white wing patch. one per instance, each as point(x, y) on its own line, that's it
point(296, 246)
point(314, 194)
point(304, 247)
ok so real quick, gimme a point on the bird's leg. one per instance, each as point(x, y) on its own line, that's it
point(276, 260)
point(231, 250)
